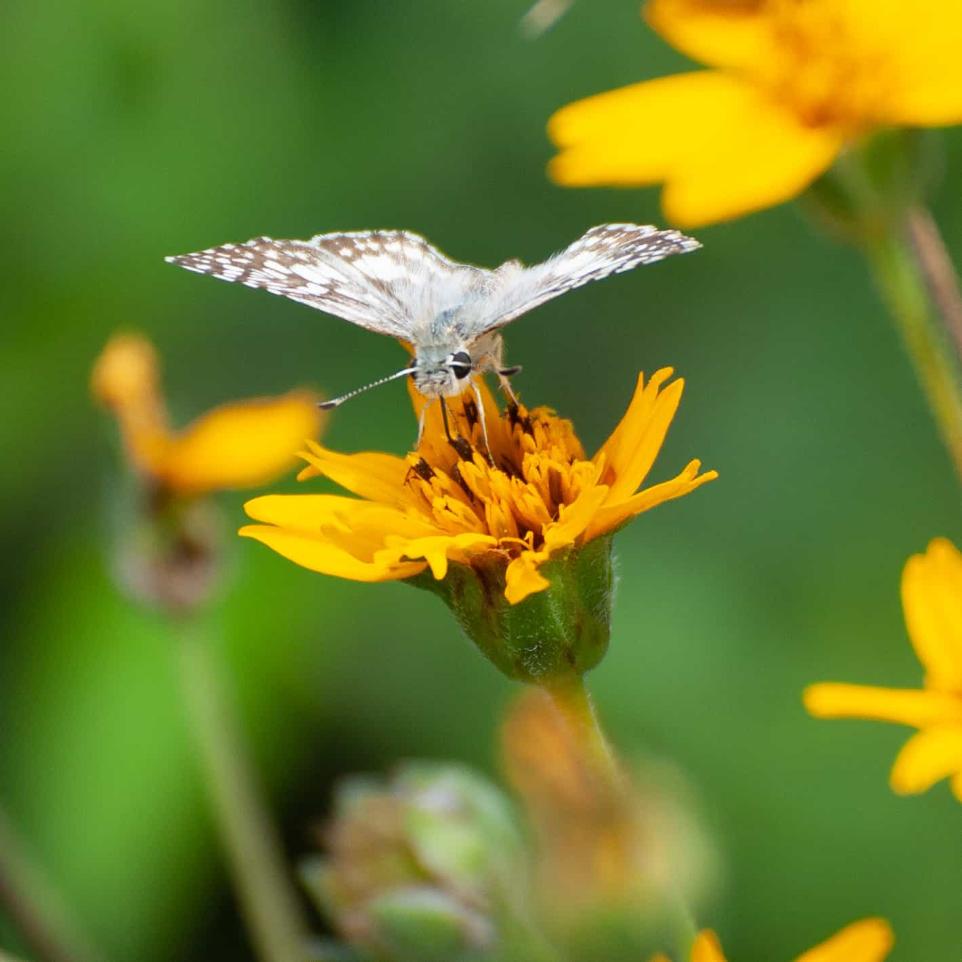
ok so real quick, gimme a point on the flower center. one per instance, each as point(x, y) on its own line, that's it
point(536, 466)
point(829, 73)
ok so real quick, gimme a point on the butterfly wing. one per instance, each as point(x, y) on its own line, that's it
point(379, 280)
point(604, 250)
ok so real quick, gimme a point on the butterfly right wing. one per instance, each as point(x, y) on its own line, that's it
point(375, 279)
point(602, 251)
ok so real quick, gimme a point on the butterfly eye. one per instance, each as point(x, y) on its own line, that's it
point(460, 364)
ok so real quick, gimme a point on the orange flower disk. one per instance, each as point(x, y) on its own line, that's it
point(536, 495)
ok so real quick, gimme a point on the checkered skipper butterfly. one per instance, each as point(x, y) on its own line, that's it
point(394, 282)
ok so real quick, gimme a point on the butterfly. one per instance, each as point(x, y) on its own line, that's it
point(394, 282)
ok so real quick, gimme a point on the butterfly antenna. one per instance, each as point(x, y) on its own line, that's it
point(338, 401)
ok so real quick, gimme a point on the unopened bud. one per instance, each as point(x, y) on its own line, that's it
point(420, 867)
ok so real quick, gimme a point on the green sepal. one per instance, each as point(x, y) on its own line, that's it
point(554, 633)
point(424, 924)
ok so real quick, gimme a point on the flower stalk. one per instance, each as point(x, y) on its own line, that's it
point(570, 697)
point(268, 900)
point(938, 270)
point(872, 196)
point(34, 910)
point(901, 280)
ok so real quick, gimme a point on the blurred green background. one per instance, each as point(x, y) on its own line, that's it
point(132, 131)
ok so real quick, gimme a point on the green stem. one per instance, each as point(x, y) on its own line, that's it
point(684, 929)
point(33, 908)
point(571, 699)
point(903, 286)
point(267, 896)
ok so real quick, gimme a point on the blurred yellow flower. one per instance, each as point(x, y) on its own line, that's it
point(537, 496)
point(869, 940)
point(794, 81)
point(238, 445)
point(932, 601)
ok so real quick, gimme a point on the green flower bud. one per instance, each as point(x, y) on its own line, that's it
point(421, 867)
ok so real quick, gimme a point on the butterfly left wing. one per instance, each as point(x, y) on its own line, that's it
point(379, 280)
point(603, 250)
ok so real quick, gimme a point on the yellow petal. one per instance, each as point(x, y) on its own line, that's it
point(523, 578)
point(631, 136)
point(932, 599)
point(916, 45)
point(918, 708)
point(721, 33)
point(926, 757)
point(869, 940)
point(659, 957)
point(309, 513)
point(612, 516)
point(574, 518)
point(707, 948)
point(369, 474)
point(126, 378)
point(321, 554)
point(126, 371)
point(634, 444)
point(722, 146)
point(437, 550)
point(240, 445)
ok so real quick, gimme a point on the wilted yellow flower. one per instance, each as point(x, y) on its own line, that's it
point(537, 496)
point(238, 445)
point(932, 602)
point(869, 940)
point(612, 840)
point(794, 82)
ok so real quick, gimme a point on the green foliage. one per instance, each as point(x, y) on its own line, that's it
point(132, 131)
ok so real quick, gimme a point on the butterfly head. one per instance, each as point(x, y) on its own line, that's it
point(442, 374)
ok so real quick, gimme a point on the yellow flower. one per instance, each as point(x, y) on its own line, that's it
point(238, 445)
point(869, 940)
point(932, 601)
point(537, 497)
point(794, 82)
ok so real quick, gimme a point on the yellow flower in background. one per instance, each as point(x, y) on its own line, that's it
point(794, 82)
point(239, 445)
point(869, 940)
point(932, 601)
point(538, 496)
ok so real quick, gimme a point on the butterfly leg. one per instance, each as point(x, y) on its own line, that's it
point(484, 424)
point(490, 357)
point(461, 445)
point(503, 374)
point(421, 418)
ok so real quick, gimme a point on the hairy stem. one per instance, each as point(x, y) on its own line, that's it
point(269, 902)
point(571, 700)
